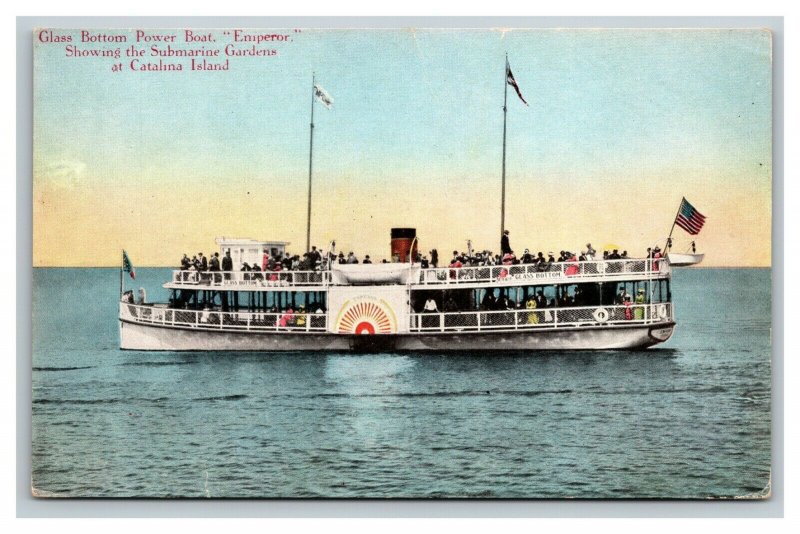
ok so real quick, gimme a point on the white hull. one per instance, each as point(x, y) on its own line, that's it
point(135, 336)
point(684, 260)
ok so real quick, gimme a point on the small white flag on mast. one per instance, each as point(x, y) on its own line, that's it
point(323, 96)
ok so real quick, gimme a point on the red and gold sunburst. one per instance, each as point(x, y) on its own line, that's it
point(365, 318)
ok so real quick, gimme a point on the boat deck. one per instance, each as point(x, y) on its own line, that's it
point(454, 322)
point(416, 277)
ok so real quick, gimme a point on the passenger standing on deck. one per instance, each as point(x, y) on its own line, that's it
point(656, 257)
point(256, 268)
point(450, 304)
point(488, 303)
point(505, 246)
point(227, 265)
point(590, 252)
point(203, 262)
point(435, 258)
point(527, 257)
point(214, 267)
point(430, 306)
point(533, 317)
point(620, 300)
point(638, 312)
point(573, 268)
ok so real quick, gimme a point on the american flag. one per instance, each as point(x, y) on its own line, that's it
point(689, 218)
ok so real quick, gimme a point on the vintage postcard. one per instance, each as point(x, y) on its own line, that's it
point(408, 263)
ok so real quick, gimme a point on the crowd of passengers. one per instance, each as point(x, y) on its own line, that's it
point(631, 307)
point(288, 316)
point(503, 302)
point(316, 260)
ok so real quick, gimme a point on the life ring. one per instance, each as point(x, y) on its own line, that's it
point(600, 315)
point(662, 311)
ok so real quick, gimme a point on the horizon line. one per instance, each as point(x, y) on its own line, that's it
point(174, 268)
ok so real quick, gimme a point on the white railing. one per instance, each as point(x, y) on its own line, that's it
point(520, 273)
point(254, 279)
point(547, 318)
point(525, 272)
point(219, 320)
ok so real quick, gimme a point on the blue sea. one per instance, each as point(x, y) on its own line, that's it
point(689, 418)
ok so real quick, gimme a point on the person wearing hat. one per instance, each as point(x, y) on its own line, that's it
point(638, 311)
point(505, 245)
point(590, 252)
point(656, 256)
point(366, 259)
point(620, 298)
point(301, 316)
point(527, 257)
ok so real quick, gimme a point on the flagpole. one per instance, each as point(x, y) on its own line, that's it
point(121, 283)
point(666, 246)
point(310, 160)
point(503, 189)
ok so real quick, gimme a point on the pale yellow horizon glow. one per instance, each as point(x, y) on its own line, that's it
point(158, 222)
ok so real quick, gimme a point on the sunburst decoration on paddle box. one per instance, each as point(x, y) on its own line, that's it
point(366, 317)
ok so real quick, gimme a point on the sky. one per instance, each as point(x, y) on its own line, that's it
point(621, 124)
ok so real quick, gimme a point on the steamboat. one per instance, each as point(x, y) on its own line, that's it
point(401, 306)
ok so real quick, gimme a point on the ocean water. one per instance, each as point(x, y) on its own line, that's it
point(689, 418)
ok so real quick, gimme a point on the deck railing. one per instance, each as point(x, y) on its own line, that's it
point(235, 279)
point(520, 273)
point(220, 320)
point(527, 272)
point(547, 318)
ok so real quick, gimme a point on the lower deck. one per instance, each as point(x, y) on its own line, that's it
point(155, 337)
point(157, 327)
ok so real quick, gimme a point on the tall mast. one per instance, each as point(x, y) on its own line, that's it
point(310, 161)
point(667, 246)
point(505, 113)
point(121, 282)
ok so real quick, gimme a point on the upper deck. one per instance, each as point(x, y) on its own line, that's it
point(417, 278)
